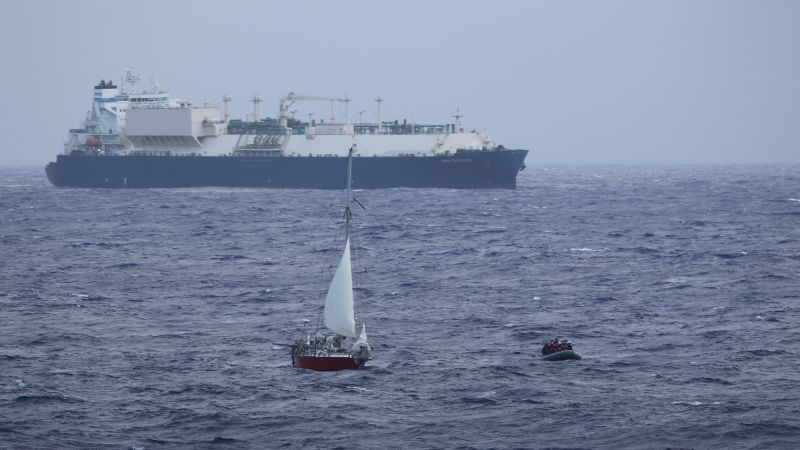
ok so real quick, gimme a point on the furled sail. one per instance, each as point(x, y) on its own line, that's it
point(339, 315)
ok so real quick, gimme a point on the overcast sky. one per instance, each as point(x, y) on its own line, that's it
point(575, 82)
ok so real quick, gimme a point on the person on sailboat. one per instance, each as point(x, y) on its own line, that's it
point(337, 343)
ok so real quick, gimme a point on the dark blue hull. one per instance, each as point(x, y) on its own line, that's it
point(462, 170)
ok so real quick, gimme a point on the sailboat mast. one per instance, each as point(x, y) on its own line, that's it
point(347, 213)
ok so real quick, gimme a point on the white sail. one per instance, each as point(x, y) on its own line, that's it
point(339, 315)
point(363, 336)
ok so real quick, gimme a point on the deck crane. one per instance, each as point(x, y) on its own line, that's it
point(291, 97)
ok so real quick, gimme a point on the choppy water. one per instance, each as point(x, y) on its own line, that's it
point(148, 318)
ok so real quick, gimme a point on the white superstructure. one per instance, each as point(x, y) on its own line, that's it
point(180, 130)
point(106, 122)
point(129, 120)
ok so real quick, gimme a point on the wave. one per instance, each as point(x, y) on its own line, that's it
point(199, 389)
point(477, 401)
point(646, 250)
point(695, 403)
point(492, 230)
point(735, 255)
point(46, 398)
point(91, 297)
point(229, 257)
point(710, 380)
point(95, 244)
point(766, 352)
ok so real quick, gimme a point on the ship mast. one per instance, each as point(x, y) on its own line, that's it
point(347, 213)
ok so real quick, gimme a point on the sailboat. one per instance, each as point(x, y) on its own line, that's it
point(334, 352)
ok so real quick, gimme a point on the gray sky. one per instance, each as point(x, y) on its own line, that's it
point(575, 82)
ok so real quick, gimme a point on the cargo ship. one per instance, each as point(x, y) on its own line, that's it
point(141, 137)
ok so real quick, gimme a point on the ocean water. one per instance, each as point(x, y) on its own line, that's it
point(156, 319)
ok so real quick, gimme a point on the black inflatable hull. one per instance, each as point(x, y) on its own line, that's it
point(562, 356)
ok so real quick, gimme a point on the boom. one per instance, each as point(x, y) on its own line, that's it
point(291, 97)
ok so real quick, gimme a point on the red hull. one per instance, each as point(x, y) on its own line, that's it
point(325, 363)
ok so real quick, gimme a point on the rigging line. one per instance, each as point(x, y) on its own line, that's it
point(321, 294)
point(359, 275)
point(362, 304)
point(326, 274)
point(354, 264)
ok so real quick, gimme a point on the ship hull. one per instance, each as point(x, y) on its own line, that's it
point(462, 170)
point(326, 363)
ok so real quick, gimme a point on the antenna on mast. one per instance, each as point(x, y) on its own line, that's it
point(346, 101)
point(347, 213)
point(226, 101)
point(379, 100)
point(458, 117)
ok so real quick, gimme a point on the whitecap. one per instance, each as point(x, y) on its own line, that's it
point(695, 403)
point(794, 199)
point(81, 295)
point(357, 389)
point(680, 280)
point(536, 298)
point(583, 249)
